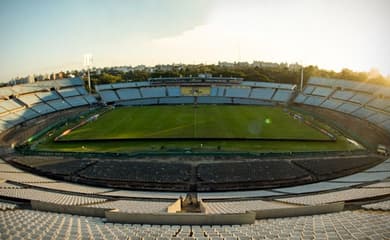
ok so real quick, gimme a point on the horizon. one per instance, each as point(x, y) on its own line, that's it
point(43, 36)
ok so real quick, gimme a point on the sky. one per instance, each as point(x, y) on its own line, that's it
point(44, 36)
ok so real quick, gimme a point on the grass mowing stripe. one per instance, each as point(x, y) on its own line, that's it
point(203, 121)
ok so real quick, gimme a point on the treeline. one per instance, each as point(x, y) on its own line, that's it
point(247, 72)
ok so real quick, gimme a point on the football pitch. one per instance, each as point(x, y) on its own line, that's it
point(202, 128)
point(197, 122)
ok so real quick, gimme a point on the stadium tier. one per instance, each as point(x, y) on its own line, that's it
point(125, 93)
point(363, 100)
point(171, 192)
point(24, 102)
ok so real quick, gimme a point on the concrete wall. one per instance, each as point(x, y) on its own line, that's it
point(78, 210)
point(300, 211)
point(181, 218)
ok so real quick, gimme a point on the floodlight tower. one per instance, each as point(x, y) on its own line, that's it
point(88, 61)
point(301, 78)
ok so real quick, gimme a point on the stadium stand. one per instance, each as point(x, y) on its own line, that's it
point(121, 93)
point(153, 92)
point(76, 101)
point(174, 91)
point(237, 92)
point(139, 171)
point(363, 100)
point(128, 93)
point(108, 96)
point(47, 96)
point(282, 95)
point(68, 92)
point(27, 101)
point(262, 93)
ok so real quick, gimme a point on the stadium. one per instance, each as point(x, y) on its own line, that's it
point(195, 158)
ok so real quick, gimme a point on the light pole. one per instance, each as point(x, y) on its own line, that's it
point(88, 60)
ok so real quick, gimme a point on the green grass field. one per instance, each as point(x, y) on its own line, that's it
point(221, 122)
point(203, 121)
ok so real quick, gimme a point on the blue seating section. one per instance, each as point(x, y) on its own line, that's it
point(82, 90)
point(153, 92)
point(177, 100)
point(42, 108)
point(361, 98)
point(314, 100)
point(379, 103)
point(367, 101)
point(220, 91)
point(70, 82)
point(262, 93)
point(343, 95)
point(348, 107)
point(29, 101)
point(322, 91)
point(27, 113)
point(76, 101)
point(174, 91)
point(363, 113)
point(308, 89)
point(269, 85)
point(300, 98)
point(109, 96)
point(378, 118)
point(213, 91)
point(90, 99)
point(282, 95)
point(59, 104)
point(331, 104)
point(237, 92)
point(47, 96)
point(68, 92)
point(128, 93)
